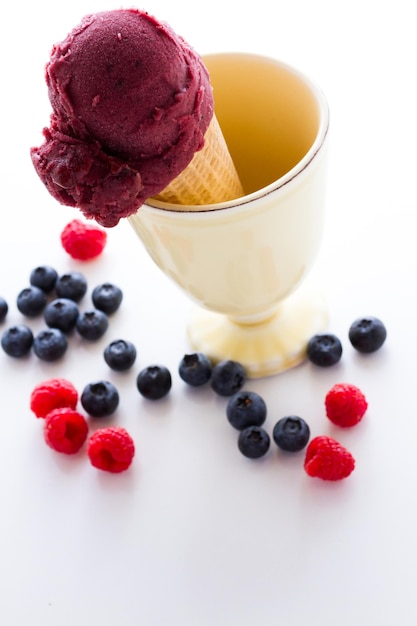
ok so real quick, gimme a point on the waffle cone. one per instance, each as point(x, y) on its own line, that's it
point(209, 178)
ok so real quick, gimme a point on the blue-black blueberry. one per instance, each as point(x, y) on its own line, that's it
point(100, 398)
point(17, 341)
point(61, 313)
point(44, 277)
point(291, 433)
point(92, 324)
point(50, 344)
point(324, 349)
point(246, 408)
point(107, 297)
point(227, 377)
point(31, 301)
point(367, 334)
point(120, 355)
point(253, 442)
point(72, 285)
point(154, 382)
point(195, 369)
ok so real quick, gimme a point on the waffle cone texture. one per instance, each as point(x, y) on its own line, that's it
point(209, 178)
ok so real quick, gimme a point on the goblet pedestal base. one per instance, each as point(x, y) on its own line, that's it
point(264, 348)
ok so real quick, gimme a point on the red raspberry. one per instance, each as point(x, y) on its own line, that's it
point(111, 449)
point(83, 241)
point(345, 405)
point(327, 459)
point(52, 394)
point(65, 430)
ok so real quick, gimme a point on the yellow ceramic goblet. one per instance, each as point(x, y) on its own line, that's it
point(242, 261)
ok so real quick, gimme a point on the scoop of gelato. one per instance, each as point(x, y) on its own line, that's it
point(131, 102)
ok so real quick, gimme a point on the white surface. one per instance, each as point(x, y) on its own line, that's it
point(195, 534)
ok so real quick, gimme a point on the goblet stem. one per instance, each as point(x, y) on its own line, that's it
point(257, 318)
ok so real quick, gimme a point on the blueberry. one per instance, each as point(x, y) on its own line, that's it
point(253, 442)
point(4, 307)
point(100, 399)
point(50, 344)
point(291, 433)
point(367, 334)
point(246, 408)
point(44, 277)
point(17, 341)
point(154, 382)
point(107, 297)
point(324, 350)
point(31, 301)
point(61, 313)
point(92, 325)
point(195, 369)
point(72, 285)
point(120, 355)
point(227, 377)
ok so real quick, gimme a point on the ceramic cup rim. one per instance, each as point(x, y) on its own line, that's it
point(280, 183)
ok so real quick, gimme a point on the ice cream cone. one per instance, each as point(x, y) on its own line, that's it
point(210, 177)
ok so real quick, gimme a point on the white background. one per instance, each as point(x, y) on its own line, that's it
point(194, 534)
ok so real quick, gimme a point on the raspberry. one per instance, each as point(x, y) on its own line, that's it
point(111, 449)
point(83, 241)
point(327, 459)
point(345, 405)
point(65, 430)
point(51, 394)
